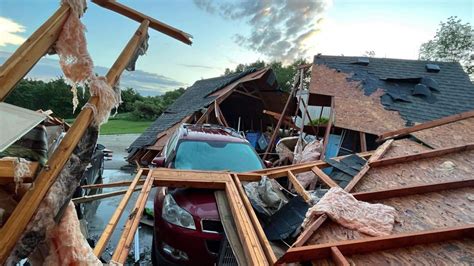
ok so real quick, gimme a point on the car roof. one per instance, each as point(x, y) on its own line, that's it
point(207, 132)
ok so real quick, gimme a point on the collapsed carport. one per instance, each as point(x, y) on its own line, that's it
point(237, 100)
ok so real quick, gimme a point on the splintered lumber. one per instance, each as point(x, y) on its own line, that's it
point(298, 187)
point(411, 190)
point(7, 171)
point(109, 229)
point(373, 244)
point(421, 155)
point(31, 51)
point(185, 178)
point(256, 223)
point(252, 248)
point(312, 227)
point(24, 211)
point(123, 246)
point(276, 130)
point(139, 17)
point(325, 178)
point(90, 198)
point(434, 123)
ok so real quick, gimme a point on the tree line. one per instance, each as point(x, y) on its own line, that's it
point(56, 95)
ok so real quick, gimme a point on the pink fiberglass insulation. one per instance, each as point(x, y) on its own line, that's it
point(311, 152)
point(78, 66)
point(67, 245)
point(343, 208)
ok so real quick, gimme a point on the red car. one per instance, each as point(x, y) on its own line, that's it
point(187, 227)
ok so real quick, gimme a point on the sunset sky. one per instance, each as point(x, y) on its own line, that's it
point(227, 33)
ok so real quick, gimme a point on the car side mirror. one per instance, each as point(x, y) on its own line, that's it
point(159, 162)
point(268, 164)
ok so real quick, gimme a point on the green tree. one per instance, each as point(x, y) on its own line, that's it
point(454, 41)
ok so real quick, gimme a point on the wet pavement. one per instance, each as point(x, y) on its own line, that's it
point(114, 172)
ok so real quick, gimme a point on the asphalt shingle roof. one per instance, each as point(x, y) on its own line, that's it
point(452, 91)
point(193, 99)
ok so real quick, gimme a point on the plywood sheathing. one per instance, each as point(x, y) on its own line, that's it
point(354, 110)
point(417, 212)
point(452, 134)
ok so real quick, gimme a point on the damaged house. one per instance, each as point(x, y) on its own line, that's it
point(375, 95)
point(237, 100)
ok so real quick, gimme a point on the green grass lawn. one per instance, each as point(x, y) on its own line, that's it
point(118, 126)
point(121, 126)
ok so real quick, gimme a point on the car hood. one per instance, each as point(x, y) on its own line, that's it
point(199, 203)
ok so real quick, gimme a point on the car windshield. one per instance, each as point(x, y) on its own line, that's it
point(216, 155)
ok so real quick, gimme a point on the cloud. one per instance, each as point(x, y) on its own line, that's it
point(281, 29)
point(147, 83)
point(9, 30)
point(198, 66)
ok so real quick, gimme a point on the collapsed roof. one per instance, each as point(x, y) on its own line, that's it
point(418, 91)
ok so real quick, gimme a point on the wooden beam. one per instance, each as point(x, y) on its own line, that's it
point(278, 125)
point(309, 230)
point(114, 184)
point(421, 155)
point(31, 51)
point(109, 229)
point(123, 247)
point(434, 123)
point(7, 171)
point(247, 234)
point(255, 222)
point(139, 17)
point(325, 178)
point(338, 258)
point(412, 190)
point(248, 94)
point(363, 142)
point(298, 187)
point(373, 244)
point(90, 198)
point(219, 115)
point(26, 208)
point(287, 119)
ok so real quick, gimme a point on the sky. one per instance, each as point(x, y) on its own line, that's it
point(228, 32)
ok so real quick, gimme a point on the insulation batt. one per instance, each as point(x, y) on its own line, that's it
point(311, 152)
point(50, 209)
point(67, 245)
point(343, 208)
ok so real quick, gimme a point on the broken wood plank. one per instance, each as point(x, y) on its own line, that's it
point(90, 198)
point(123, 247)
point(114, 184)
point(276, 130)
point(338, 258)
point(256, 223)
point(24, 211)
point(31, 51)
point(298, 187)
point(434, 123)
point(109, 229)
point(325, 178)
point(248, 236)
point(139, 17)
point(421, 155)
point(309, 230)
point(411, 190)
point(373, 244)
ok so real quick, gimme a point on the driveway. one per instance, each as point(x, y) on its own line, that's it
point(113, 173)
